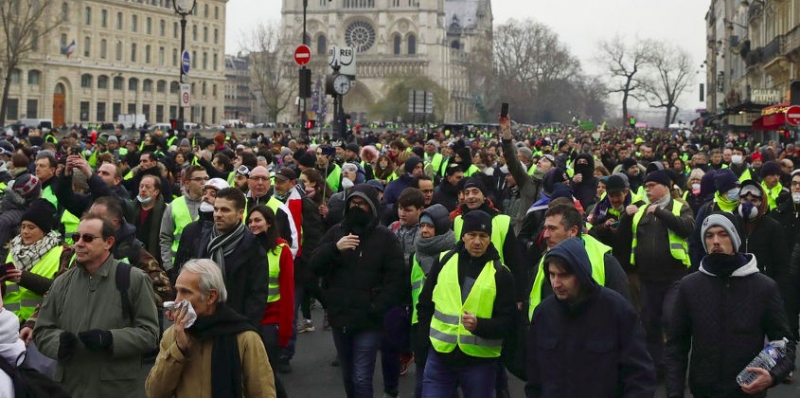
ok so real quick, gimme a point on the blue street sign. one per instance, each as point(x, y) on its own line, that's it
point(185, 61)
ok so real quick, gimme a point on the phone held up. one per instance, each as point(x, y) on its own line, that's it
point(504, 109)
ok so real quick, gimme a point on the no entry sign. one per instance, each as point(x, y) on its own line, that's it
point(302, 55)
point(793, 115)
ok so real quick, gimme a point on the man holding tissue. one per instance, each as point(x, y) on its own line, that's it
point(217, 340)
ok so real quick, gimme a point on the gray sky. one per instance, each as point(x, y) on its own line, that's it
point(579, 24)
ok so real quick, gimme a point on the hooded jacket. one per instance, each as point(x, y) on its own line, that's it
point(585, 190)
point(723, 321)
point(598, 340)
point(360, 285)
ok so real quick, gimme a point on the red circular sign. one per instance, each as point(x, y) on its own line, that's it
point(302, 55)
point(793, 115)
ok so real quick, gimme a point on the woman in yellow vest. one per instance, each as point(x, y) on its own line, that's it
point(277, 324)
point(33, 260)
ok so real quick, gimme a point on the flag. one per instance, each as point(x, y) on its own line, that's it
point(69, 49)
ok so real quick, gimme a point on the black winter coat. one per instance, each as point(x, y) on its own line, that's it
point(723, 321)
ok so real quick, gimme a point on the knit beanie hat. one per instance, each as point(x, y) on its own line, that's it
point(41, 213)
point(628, 163)
point(659, 177)
point(185, 142)
point(725, 180)
point(27, 186)
point(561, 191)
point(438, 216)
point(770, 168)
point(308, 160)
point(411, 163)
point(476, 220)
point(474, 183)
point(727, 222)
point(615, 183)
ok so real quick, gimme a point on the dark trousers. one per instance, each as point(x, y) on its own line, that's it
point(302, 293)
point(269, 335)
point(396, 330)
point(441, 380)
point(357, 353)
point(658, 302)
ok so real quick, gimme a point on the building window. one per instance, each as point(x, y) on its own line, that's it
point(146, 111)
point(16, 76)
point(118, 82)
point(216, 12)
point(119, 20)
point(87, 47)
point(412, 44)
point(147, 54)
point(455, 45)
point(35, 40)
point(134, 23)
point(65, 12)
point(131, 109)
point(397, 44)
point(161, 86)
point(214, 91)
point(12, 109)
point(87, 19)
point(85, 111)
point(86, 80)
point(34, 77)
point(159, 113)
point(104, 18)
point(161, 56)
point(103, 48)
point(174, 57)
point(173, 111)
point(205, 61)
point(322, 45)
point(133, 84)
point(215, 61)
point(63, 40)
point(174, 87)
point(118, 50)
point(216, 36)
point(194, 59)
point(116, 110)
point(204, 89)
point(205, 34)
point(213, 114)
point(148, 26)
point(163, 28)
point(101, 112)
point(33, 109)
point(102, 82)
point(205, 11)
point(133, 52)
point(147, 86)
point(194, 32)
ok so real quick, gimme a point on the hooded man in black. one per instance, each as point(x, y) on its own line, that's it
point(360, 284)
point(584, 183)
point(587, 331)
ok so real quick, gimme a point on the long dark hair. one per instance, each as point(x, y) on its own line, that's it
point(270, 240)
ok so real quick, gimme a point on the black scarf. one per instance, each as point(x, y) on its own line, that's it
point(223, 326)
point(221, 246)
point(723, 265)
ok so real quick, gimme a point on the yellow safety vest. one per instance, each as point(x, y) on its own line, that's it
point(232, 179)
point(447, 329)
point(596, 252)
point(500, 225)
point(22, 301)
point(335, 178)
point(678, 246)
point(772, 194)
point(436, 161)
point(48, 194)
point(70, 223)
point(181, 217)
point(274, 259)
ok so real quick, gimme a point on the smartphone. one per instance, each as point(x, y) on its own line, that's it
point(75, 150)
point(615, 224)
point(504, 109)
point(6, 267)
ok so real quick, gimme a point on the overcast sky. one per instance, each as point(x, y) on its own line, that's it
point(579, 24)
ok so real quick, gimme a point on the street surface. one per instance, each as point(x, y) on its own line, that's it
point(313, 376)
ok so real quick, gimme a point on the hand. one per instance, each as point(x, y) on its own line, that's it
point(12, 275)
point(577, 178)
point(469, 321)
point(67, 344)
point(80, 164)
point(26, 335)
point(631, 210)
point(608, 222)
point(181, 338)
point(651, 209)
point(97, 340)
point(348, 242)
point(761, 383)
point(505, 127)
point(323, 211)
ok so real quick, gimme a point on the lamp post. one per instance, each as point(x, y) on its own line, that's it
point(183, 8)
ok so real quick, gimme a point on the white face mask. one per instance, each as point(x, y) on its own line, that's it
point(346, 183)
point(733, 194)
point(736, 159)
point(696, 187)
point(796, 197)
point(142, 200)
point(206, 207)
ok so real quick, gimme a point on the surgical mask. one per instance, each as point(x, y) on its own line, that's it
point(695, 188)
point(736, 159)
point(796, 197)
point(733, 194)
point(206, 207)
point(142, 200)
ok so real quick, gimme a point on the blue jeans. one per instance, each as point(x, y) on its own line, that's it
point(358, 352)
point(441, 380)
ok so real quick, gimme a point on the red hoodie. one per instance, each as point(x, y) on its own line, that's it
point(281, 312)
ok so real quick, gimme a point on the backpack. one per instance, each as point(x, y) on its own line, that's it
point(123, 282)
point(29, 383)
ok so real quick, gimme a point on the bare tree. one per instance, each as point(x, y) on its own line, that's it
point(624, 63)
point(23, 22)
point(671, 75)
point(272, 75)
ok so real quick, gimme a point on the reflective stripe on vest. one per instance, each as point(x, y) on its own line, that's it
point(335, 178)
point(22, 301)
point(678, 247)
point(596, 252)
point(418, 277)
point(181, 217)
point(274, 260)
point(70, 223)
point(500, 225)
point(447, 329)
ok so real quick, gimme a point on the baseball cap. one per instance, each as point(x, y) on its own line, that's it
point(286, 174)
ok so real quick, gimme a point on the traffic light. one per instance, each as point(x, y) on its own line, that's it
point(309, 124)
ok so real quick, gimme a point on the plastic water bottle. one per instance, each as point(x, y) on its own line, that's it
point(773, 352)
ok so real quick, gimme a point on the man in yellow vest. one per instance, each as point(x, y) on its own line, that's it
point(771, 181)
point(466, 309)
point(261, 193)
point(586, 329)
point(659, 251)
point(330, 171)
point(180, 213)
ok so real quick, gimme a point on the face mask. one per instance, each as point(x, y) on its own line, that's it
point(346, 183)
point(143, 200)
point(733, 194)
point(736, 159)
point(695, 189)
point(796, 197)
point(206, 207)
point(747, 211)
point(382, 166)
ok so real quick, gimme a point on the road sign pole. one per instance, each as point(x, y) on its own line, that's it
point(425, 109)
point(183, 74)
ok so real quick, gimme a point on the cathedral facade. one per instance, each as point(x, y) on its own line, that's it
point(395, 39)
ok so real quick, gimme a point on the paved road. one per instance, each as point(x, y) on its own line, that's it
point(312, 375)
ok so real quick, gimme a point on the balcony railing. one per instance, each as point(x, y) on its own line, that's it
point(774, 49)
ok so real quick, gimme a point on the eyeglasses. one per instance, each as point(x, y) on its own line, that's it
point(259, 178)
point(199, 179)
point(243, 170)
point(86, 238)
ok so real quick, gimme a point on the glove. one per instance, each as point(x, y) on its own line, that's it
point(68, 343)
point(96, 339)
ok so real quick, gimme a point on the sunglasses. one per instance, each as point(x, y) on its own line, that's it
point(86, 238)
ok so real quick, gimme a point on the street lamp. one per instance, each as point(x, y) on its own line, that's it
point(183, 8)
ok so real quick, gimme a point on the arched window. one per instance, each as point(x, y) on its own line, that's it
point(86, 80)
point(397, 43)
point(102, 81)
point(412, 44)
point(322, 45)
point(118, 82)
point(455, 44)
point(133, 84)
point(174, 87)
point(147, 85)
point(161, 86)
